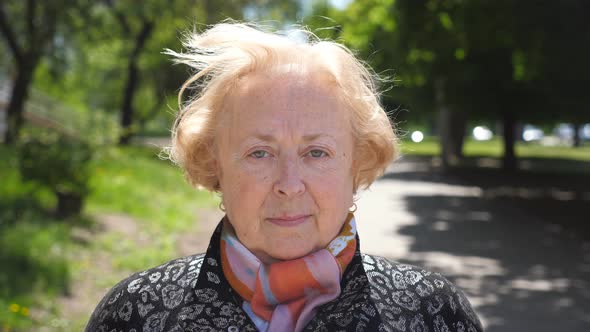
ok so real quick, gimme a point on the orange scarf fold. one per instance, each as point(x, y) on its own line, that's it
point(284, 296)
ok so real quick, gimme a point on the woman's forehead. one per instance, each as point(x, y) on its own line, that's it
point(283, 94)
point(281, 91)
point(275, 108)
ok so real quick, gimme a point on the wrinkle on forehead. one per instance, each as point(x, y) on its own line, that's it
point(288, 85)
point(292, 91)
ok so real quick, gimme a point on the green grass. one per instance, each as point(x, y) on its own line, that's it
point(562, 152)
point(134, 181)
point(493, 148)
point(32, 244)
point(428, 147)
point(40, 257)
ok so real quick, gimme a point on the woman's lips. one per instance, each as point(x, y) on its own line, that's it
point(289, 221)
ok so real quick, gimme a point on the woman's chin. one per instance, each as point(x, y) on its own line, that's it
point(287, 253)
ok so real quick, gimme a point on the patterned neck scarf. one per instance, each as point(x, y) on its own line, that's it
point(284, 296)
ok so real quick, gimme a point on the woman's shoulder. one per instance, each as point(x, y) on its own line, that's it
point(148, 295)
point(418, 297)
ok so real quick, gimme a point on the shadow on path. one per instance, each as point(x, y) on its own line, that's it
point(518, 244)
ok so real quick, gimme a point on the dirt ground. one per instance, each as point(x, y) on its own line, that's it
point(85, 292)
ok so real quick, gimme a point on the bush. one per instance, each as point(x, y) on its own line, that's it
point(60, 164)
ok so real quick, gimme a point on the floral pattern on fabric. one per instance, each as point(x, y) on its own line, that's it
point(192, 294)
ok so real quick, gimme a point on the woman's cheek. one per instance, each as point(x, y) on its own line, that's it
point(257, 168)
point(254, 180)
point(329, 170)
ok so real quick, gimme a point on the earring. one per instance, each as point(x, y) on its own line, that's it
point(353, 208)
point(221, 206)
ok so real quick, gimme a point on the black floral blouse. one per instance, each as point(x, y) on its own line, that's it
point(191, 294)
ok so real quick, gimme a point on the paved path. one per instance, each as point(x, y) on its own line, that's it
point(514, 250)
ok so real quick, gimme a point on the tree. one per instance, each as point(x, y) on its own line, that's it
point(137, 37)
point(420, 46)
point(139, 22)
point(565, 48)
point(28, 28)
point(107, 55)
point(477, 59)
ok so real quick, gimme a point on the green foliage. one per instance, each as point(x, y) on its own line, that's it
point(42, 252)
point(417, 55)
point(494, 56)
point(85, 49)
point(460, 54)
point(35, 253)
point(135, 181)
point(59, 164)
point(281, 12)
point(445, 20)
point(34, 247)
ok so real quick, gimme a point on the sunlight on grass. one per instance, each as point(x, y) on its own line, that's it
point(40, 258)
point(134, 181)
point(428, 147)
point(493, 148)
point(559, 152)
point(33, 259)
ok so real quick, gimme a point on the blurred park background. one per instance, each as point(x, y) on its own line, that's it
point(490, 99)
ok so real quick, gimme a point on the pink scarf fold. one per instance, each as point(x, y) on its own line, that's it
point(284, 296)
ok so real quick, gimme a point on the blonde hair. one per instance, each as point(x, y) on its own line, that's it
point(227, 52)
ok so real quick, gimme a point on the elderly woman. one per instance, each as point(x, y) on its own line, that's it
point(286, 132)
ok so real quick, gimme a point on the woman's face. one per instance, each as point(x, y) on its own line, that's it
point(284, 163)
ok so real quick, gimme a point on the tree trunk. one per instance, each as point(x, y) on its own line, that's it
point(20, 92)
point(443, 122)
point(68, 204)
point(576, 142)
point(508, 128)
point(451, 128)
point(131, 85)
point(40, 29)
point(127, 108)
point(458, 124)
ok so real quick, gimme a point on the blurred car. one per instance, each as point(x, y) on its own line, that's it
point(565, 131)
point(585, 132)
point(482, 133)
point(532, 133)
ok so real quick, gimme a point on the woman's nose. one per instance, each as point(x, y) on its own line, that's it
point(289, 182)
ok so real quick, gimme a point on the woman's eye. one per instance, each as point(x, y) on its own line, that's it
point(317, 153)
point(258, 154)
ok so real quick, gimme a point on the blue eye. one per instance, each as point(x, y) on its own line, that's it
point(317, 153)
point(258, 154)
